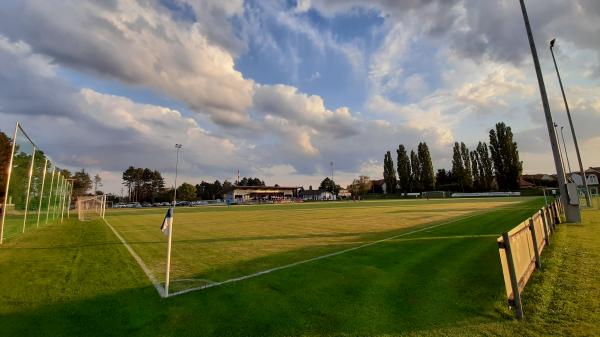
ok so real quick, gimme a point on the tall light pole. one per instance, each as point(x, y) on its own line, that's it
point(562, 135)
point(572, 211)
point(562, 160)
point(588, 200)
point(332, 181)
point(177, 147)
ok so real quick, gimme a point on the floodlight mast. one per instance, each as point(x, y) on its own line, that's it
point(562, 135)
point(571, 211)
point(588, 199)
point(562, 160)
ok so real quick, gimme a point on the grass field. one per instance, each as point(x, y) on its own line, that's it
point(77, 279)
point(215, 244)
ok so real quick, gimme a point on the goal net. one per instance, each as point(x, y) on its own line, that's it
point(434, 194)
point(91, 207)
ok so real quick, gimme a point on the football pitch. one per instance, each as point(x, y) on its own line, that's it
point(401, 267)
point(216, 245)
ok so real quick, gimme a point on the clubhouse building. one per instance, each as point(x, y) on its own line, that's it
point(261, 193)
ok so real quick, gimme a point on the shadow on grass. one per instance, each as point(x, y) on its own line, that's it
point(388, 288)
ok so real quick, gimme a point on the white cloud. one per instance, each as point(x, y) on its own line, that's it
point(140, 45)
point(478, 73)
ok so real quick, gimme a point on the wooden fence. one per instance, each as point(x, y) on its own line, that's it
point(521, 247)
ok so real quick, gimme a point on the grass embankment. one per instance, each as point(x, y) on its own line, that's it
point(76, 279)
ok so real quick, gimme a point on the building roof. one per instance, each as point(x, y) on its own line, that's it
point(593, 170)
point(379, 182)
point(525, 184)
point(264, 187)
point(314, 192)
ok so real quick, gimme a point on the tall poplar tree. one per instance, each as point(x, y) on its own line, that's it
point(427, 173)
point(505, 156)
point(403, 169)
point(389, 173)
point(477, 185)
point(486, 170)
point(458, 169)
point(415, 175)
point(468, 172)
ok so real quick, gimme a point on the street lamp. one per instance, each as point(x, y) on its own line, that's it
point(562, 135)
point(177, 147)
point(588, 200)
point(572, 212)
point(562, 161)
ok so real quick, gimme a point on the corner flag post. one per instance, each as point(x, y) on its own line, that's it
point(167, 276)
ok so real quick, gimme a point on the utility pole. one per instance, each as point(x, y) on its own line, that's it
point(572, 211)
point(588, 199)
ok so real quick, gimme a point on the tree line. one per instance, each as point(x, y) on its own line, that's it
point(143, 184)
point(415, 173)
point(486, 168)
point(146, 185)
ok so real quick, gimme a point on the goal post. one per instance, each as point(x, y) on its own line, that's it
point(89, 207)
point(434, 194)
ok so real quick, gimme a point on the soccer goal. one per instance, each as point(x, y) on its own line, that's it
point(434, 194)
point(89, 207)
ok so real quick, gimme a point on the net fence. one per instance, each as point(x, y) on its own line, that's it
point(34, 192)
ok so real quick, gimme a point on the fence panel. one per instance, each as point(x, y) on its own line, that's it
point(520, 250)
point(540, 232)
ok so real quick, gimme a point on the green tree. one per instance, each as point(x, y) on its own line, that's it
point(97, 182)
point(251, 182)
point(360, 186)
point(468, 172)
point(477, 184)
point(415, 176)
point(486, 171)
point(329, 185)
point(158, 184)
point(403, 169)
point(458, 168)
point(82, 183)
point(505, 156)
point(186, 192)
point(5, 152)
point(427, 175)
point(389, 173)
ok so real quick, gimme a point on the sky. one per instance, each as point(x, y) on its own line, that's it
point(280, 89)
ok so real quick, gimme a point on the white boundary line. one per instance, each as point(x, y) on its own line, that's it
point(137, 258)
point(241, 278)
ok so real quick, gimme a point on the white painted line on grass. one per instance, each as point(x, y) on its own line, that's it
point(137, 258)
point(241, 278)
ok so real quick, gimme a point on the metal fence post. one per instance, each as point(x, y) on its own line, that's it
point(513, 277)
point(536, 250)
point(8, 176)
point(28, 188)
point(37, 224)
point(50, 195)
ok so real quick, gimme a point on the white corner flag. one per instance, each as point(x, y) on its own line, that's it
point(167, 222)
